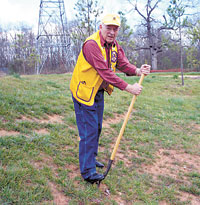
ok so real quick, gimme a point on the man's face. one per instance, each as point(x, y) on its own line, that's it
point(109, 32)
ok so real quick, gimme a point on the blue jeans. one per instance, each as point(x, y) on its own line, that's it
point(89, 122)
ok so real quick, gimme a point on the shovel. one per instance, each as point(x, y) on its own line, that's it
point(121, 132)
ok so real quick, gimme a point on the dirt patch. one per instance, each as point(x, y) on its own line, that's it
point(115, 120)
point(58, 197)
point(116, 198)
point(45, 161)
point(195, 200)
point(125, 157)
point(196, 127)
point(185, 76)
point(4, 133)
point(191, 76)
point(42, 132)
point(175, 164)
point(53, 119)
point(49, 119)
point(74, 171)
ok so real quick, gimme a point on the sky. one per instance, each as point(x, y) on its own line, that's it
point(15, 11)
point(27, 11)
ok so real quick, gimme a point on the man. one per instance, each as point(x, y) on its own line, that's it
point(94, 73)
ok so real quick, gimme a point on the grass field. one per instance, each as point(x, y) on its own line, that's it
point(158, 160)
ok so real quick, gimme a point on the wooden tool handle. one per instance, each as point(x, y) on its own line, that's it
point(125, 122)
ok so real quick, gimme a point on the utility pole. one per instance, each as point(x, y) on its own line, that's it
point(53, 41)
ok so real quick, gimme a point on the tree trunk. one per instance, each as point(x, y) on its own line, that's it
point(154, 60)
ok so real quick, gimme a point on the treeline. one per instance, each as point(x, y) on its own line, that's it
point(168, 41)
point(17, 50)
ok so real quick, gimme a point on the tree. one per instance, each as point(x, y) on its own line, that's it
point(194, 50)
point(152, 33)
point(126, 39)
point(179, 17)
point(155, 26)
point(193, 58)
point(176, 10)
point(86, 22)
point(76, 37)
point(87, 14)
point(195, 32)
point(18, 49)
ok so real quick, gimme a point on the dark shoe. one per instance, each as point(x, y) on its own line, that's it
point(95, 178)
point(99, 164)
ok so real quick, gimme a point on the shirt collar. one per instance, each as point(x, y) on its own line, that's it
point(103, 42)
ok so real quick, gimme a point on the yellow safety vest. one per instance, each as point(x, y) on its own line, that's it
point(85, 80)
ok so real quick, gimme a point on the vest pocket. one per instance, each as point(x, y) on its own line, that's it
point(109, 89)
point(84, 92)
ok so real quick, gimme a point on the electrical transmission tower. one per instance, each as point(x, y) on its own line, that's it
point(53, 41)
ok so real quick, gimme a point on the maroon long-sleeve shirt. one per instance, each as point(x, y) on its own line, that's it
point(93, 55)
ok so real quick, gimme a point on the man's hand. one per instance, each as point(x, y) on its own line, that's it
point(145, 69)
point(134, 89)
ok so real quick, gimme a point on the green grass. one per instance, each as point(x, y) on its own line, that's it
point(166, 117)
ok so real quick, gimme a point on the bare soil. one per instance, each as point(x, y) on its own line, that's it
point(49, 119)
point(59, 197)
point(175, 164)
point(4, 133)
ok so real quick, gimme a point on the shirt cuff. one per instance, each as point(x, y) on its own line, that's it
point(123, 85)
